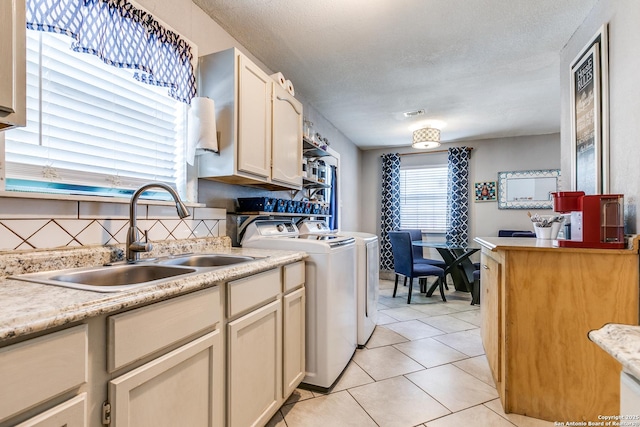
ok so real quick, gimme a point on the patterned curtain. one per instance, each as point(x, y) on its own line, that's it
point(458, 196)
point(333, 199)
point(122, 36)
point(390, 215)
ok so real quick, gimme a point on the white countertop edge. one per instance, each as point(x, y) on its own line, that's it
point(622, 342)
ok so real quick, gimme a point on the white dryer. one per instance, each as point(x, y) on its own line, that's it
point(331, 325)
point(367, 279)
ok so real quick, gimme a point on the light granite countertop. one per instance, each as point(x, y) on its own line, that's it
point(531, 244)
point(622, 342)
point(27, 308)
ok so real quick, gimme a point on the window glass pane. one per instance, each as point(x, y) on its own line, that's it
point(92, 124)
point(423, 198)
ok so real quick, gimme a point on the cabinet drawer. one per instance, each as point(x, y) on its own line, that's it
point(253, 291)
point(72, 413)
point(39, 369)
point(293, 276)
point(143, 331)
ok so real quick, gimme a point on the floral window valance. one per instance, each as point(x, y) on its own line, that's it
point(123, 36)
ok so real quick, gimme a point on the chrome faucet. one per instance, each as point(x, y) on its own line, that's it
point(134, 246)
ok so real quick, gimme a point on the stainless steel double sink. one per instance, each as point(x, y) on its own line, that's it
point(115, 278)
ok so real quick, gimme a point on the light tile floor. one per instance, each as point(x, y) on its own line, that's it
point(423, 366)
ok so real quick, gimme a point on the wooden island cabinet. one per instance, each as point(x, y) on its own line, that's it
point(538, 304)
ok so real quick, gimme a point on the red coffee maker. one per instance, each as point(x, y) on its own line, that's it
point(597, 221)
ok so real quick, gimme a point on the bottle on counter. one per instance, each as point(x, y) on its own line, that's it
point(307, 129)
point(322, 171)
point(312, 170)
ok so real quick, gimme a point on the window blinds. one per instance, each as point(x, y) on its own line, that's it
point(423, 198)
point(92, 124)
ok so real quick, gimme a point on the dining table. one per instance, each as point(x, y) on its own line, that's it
point(458, 265)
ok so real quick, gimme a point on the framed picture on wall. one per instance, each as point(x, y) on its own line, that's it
point(485, 191)
point(589, 117)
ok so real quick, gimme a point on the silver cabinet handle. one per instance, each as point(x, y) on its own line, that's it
point(290, 103)
point(485, 266)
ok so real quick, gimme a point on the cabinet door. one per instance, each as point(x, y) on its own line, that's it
point(293, 341)
point(254, 366)
point(12, 64)
point(286, 156)
point(491, 314)
point(72, 413)
point(182, 388)
point(37, 370)
point(254, 119)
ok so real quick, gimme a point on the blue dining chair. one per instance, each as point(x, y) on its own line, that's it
point(404, 265)
point(418, 254)
point(418, 257)
point(475, 291)
point(516, 233)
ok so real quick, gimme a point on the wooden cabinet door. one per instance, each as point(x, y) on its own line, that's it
point(286, 156)
point(182, 388)
point(254, 119)
point(293, 370)
point(72, 413)
point(491, 314)
point(254, 368)
point(12, 64)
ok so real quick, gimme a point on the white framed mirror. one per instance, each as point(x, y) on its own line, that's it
point(527, 189)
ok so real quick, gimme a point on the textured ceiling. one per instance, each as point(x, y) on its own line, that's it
point(486, 68)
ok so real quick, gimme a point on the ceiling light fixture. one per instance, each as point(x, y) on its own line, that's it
point(426, 138)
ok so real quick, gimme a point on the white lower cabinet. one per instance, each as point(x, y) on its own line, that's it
point(293, 370)
point(37, 372)
point(265, 343)
point(72, 413)
point(229, 355)
point(180, 388)
point(254, 366)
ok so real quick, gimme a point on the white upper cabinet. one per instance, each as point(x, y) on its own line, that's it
point(256, 133)
point(12, 64)
point(254, 119)
point(287, 138)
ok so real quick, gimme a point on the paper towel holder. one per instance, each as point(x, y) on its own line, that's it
point(209, 150)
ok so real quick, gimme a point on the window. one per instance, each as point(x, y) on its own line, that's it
point(91, 128)
point(423, 198)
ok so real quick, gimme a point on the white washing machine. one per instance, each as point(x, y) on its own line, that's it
point(331, 323)
point(367, 279)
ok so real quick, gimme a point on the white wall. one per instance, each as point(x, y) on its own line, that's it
point(191, 21)
point(508, 154)
point(623, 17)
point(188, 19)
point(360, 171)
point(488, 157)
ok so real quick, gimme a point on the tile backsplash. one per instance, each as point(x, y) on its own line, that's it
point(47, 223)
